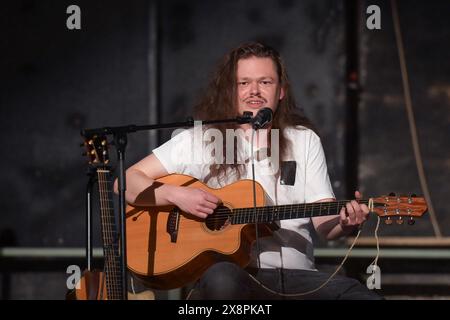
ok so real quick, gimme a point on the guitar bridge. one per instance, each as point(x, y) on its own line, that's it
point(172, 224)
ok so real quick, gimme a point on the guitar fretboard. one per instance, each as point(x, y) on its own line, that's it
point(111, 250)
point(290, 211)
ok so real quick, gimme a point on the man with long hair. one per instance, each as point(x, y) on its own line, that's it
point(249, 78)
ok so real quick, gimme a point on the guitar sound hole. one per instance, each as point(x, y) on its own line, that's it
point(219, 219)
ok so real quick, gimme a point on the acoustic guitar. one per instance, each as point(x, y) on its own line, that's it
point(106, 284)
point(168, 248)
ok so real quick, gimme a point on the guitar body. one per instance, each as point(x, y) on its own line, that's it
point(165, 263)
point(92, 287)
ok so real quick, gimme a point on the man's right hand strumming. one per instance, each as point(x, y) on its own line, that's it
point(194, 201)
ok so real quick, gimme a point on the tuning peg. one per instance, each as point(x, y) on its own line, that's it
point(388, 221)
point(392, 194)
point(411, 221)
point(399, 220)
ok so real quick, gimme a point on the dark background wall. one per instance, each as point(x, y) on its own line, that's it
point(56, 81)
point(387, 161)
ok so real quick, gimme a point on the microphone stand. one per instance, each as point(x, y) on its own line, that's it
point(120, 138)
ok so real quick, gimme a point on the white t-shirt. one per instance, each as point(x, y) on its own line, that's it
point(291, 245)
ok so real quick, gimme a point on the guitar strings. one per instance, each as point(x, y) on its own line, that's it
point(310, 210)
point(268, 214)
point(225, 213)
point(313, 206)
point(107, 234)
point(101, 198)
point(109, 237)
point(104, 232)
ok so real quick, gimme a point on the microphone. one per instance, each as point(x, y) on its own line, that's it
point(262, 118)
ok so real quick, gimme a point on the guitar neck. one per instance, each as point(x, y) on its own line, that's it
point(109, 236)
point(290, 211)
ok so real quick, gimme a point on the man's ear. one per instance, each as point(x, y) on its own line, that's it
point(281, 93)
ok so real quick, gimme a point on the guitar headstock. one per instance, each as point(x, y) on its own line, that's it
point(399, 208)
point(97, 150)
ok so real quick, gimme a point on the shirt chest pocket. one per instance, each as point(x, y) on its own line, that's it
point(288, 173)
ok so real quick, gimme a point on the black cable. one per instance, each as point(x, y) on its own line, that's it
point(258, 251)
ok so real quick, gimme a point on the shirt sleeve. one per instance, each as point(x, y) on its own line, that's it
point(176, 153)
point(318, 184)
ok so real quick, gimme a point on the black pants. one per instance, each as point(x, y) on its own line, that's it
point(225, 281)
